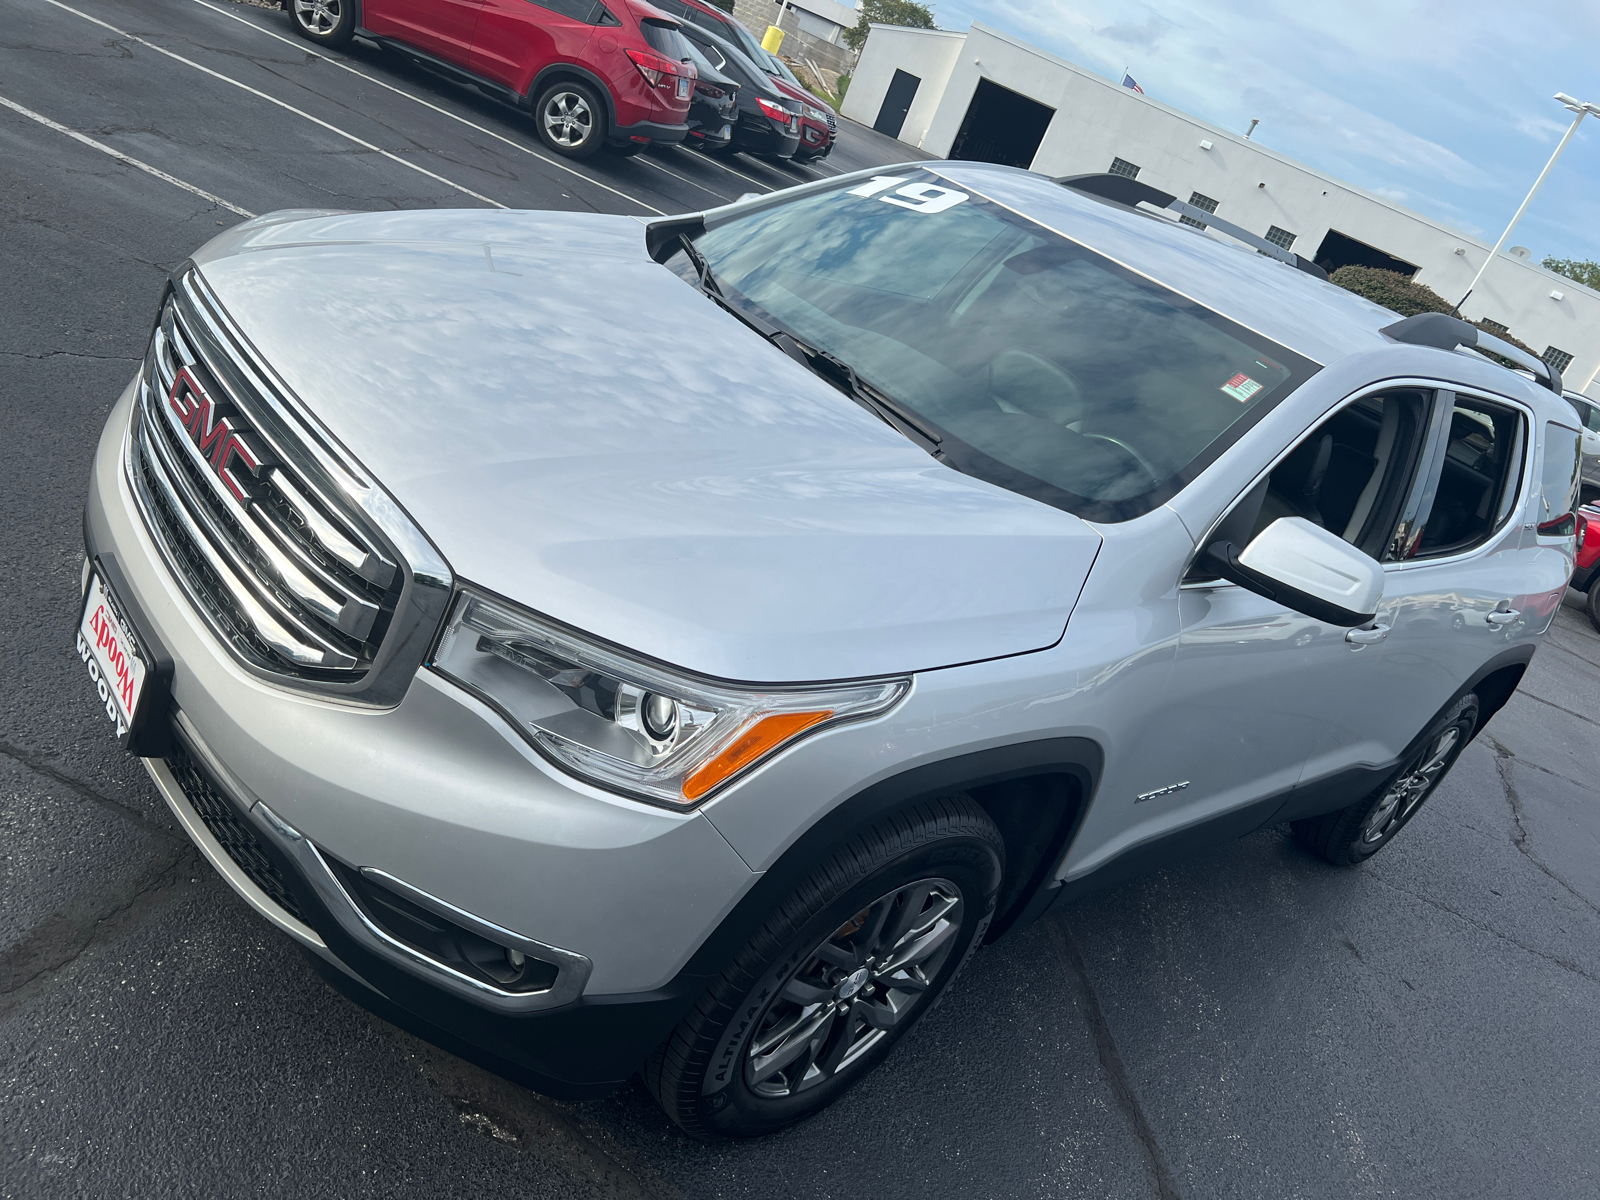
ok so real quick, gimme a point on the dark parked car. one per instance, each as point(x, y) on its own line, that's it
point(593, 72)
point(715, 105)
point(817, 123)
point(769, 121)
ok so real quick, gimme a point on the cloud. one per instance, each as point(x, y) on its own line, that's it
point(1146, 35)
point(1446, 111)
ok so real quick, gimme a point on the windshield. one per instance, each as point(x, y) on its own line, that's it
point(1039, 364)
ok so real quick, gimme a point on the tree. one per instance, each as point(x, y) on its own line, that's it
point(1402, 295)
point(888, 12)
point(1586, 271)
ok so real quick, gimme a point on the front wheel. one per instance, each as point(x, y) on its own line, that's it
point(326, 22)
point(845, 966)
point(570, 119)
point(1354, 834)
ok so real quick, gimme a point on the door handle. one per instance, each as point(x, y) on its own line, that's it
point(1503, 616)
point(1369, 636)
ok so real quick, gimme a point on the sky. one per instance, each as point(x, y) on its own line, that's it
point(1445, 108)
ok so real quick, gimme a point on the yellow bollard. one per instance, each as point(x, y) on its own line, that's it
point(772, 39)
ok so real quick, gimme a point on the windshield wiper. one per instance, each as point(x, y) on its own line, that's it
point(829, 366)
point(843, 376)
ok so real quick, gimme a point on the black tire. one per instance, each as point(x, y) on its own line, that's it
point(1591, 605)
point(943, 856)
point(1354, 834)
point(325, 22)
point(570, 110)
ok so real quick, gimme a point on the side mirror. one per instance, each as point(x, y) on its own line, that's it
point(1304, 567)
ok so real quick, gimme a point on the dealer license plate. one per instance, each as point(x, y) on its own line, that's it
point(108, 650)
point(683, 88)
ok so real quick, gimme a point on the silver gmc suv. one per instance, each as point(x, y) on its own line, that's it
point(675, 647)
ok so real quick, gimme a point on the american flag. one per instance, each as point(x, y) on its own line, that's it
point(1128, 82)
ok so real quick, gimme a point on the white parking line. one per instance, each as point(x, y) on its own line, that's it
point(123, 158)
point(299, 44)
point(188, 62)
point(715, 162)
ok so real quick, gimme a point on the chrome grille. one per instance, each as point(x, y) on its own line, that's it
point(288, 575)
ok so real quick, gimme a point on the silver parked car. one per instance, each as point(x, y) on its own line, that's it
point(676, 647)
point(1589, 415)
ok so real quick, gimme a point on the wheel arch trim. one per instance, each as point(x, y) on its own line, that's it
point(1078, 759)
point(556, 72)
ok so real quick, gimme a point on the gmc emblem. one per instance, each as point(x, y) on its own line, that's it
point(217, 440)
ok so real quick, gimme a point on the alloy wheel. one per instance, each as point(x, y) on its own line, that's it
point(1411, 789)
point(318, 16)
point(568, 119)
point(866, 978)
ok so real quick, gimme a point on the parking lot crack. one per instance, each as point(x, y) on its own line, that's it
point(1111, 1064)
point(36, 763)
point(1566, 964)
point(61, 938)
point(69, 354)
point(1503, 761)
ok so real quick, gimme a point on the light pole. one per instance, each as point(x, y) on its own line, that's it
point(1574, 106)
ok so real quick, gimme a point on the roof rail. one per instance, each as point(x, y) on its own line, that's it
point(1446, 333)
point(1119, 189)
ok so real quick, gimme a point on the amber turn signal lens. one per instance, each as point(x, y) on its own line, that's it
point(756, 742)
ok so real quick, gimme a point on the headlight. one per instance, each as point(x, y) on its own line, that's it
point(816, 114)
point(631, 726)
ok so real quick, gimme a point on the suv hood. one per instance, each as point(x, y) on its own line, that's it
point(582, 432)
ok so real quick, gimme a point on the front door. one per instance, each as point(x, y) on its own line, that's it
point(1255, 686)
point(440, 27)
point(1457, 579)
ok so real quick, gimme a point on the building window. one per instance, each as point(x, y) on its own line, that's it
point(1280, 237)
point(1494, 326)
point(1121, 166)
point(1559, 359)
point(1199, 201)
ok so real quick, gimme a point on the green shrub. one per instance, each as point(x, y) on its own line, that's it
point(1407, 297)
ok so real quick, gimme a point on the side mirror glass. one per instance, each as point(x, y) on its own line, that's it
point(1304, 567)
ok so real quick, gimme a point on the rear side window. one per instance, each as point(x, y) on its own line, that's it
point(1558, 483)
point(1478, 477)
point(665, 40)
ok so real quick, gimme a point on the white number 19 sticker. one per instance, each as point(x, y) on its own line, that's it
point(918, 197)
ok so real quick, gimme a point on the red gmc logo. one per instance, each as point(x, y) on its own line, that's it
point(217, 440)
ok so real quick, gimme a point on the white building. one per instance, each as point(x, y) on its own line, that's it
point(984, 95)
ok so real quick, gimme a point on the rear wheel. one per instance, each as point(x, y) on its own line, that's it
point(326, 22)
point(571, 119)
point(1591, 604)
point(1354, 834)
point(845, 966)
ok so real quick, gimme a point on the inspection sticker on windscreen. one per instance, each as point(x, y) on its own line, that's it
point(1241, 387)
point(108, 650)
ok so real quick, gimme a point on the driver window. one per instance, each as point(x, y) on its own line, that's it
point(1350, 475)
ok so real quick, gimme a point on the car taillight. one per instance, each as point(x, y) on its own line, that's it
point(706, 90)
point(659, 71)
point(776, 111)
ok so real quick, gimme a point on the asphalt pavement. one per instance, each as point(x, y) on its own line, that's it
point(1252, 1024)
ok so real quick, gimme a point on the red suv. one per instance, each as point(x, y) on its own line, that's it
point(594, 73)
point(817, 123)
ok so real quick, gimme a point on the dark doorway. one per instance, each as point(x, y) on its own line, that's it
point(897, 103)
point(1337, 251)
point(1001, 126)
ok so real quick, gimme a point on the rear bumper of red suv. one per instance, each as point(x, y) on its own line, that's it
point(655, 131)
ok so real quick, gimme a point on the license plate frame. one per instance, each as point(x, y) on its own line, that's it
point(131, 672)
point(683, 88)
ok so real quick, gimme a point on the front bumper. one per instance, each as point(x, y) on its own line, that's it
point(440, 796)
